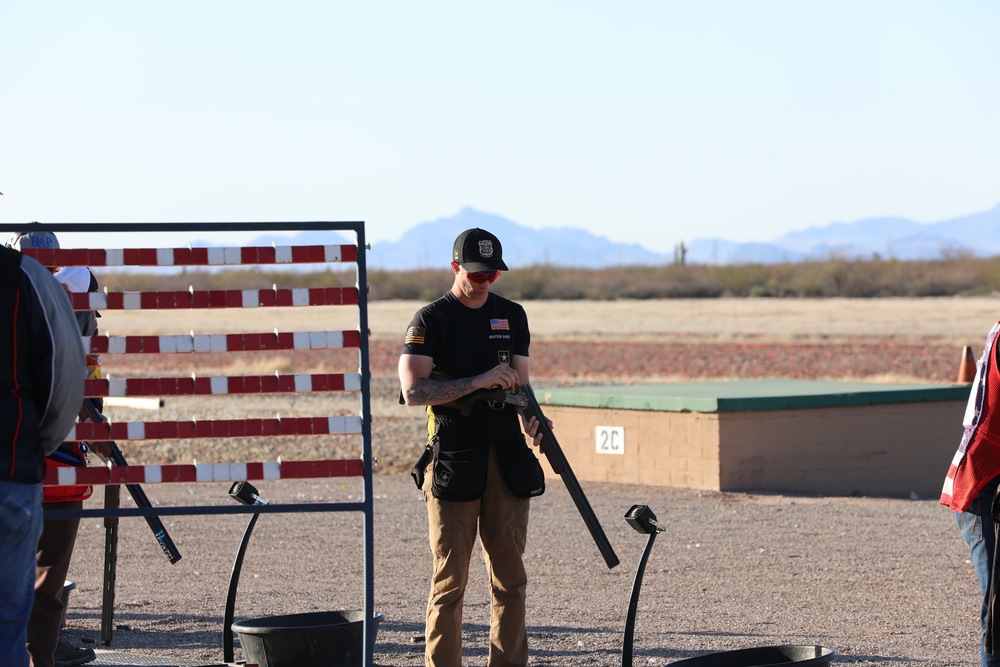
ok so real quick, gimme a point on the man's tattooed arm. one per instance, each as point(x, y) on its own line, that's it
point(425, 391)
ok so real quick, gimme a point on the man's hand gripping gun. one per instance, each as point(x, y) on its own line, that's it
point(90, 413)
point(525, 402)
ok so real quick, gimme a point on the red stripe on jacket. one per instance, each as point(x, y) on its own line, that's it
point(15, 391)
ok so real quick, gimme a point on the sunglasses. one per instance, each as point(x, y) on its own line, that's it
point(484, 276)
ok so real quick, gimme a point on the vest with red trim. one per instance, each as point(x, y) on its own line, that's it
point(23, 389)
point(977, 460)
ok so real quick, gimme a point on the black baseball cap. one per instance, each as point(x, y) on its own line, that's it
point(478, 250)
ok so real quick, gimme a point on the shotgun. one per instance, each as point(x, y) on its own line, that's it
point(525, 402)
point(138, 495)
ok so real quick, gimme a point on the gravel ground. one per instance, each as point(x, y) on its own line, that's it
point(884, 582)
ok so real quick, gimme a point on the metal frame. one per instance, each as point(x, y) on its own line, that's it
point(366, 505)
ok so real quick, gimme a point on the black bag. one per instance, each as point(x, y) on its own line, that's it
point(459, 475)
point(521, 470)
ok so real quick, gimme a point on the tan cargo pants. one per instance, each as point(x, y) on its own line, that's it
point(502, 526)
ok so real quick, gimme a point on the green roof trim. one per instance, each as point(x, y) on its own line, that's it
point(749, 395)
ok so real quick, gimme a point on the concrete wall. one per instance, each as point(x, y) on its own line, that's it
point(875, 450)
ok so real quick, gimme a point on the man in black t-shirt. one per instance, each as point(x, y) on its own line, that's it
point(467, 340)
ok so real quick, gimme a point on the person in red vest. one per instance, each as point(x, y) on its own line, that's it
point(970, 489)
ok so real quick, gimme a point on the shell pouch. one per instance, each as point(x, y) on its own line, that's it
point(522, 471)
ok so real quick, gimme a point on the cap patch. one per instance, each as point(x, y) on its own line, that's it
point(486, 248)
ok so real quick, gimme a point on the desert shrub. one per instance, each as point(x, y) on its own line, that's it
point(835, 277)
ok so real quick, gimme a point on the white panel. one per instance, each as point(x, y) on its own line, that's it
point(251, 298)
point(303, 382)
point(216, 255)
point(168, 344)
point(114, 257)
point(116, 344)
point(352, 381)
point(132, 300)
point(185, 343)
point(337, 425)
point(354, 424)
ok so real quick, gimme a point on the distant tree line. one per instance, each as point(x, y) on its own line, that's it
point(869, 278)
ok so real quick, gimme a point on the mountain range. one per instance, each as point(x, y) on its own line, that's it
point(428, 244)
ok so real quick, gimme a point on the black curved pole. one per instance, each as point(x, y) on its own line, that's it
point(234, 579)
point(634, 602)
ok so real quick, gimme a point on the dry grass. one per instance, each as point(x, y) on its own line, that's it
point(947, 320)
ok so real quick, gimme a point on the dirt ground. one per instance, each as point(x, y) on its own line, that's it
point(962, 321)
point(884, 582)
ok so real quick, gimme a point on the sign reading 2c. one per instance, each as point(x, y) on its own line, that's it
point(611, 440)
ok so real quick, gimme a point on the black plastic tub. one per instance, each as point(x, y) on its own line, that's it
point(315, 639)
point(763, 656)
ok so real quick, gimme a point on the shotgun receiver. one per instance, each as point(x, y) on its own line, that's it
point(138, 495)
point(525, 402)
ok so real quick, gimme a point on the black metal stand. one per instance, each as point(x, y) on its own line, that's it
point(234, 579)
point(643, 520)
point(245, 493)
point(112, 500)
point(634, 603)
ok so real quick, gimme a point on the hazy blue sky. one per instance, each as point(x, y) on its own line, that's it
point(642, 121)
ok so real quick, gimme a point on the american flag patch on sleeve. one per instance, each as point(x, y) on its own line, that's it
point(499, 325)
point(414, 336)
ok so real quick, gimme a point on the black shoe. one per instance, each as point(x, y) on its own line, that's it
point(67, 655)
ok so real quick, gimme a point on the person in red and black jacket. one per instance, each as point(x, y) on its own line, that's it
point(41, 392)
point(46, 644)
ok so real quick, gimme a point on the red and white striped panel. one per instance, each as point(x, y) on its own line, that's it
point(307, 254)
point(249, 342)
point(222, 385)
point(203, 472)
point(215, 428)
point(252, 298)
